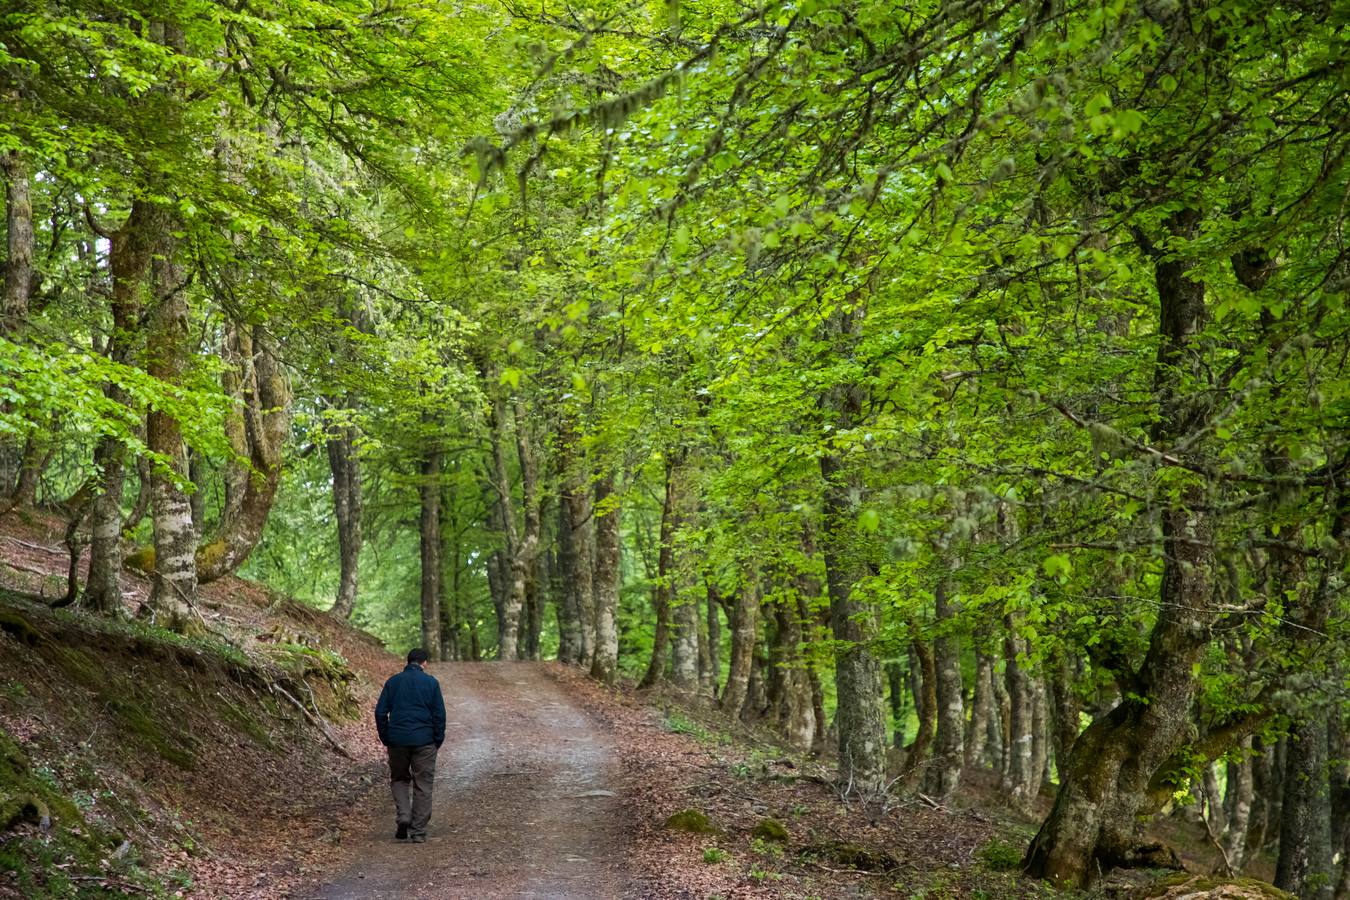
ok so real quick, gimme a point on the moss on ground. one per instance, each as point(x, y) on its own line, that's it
point(693, 821)
point(770, 830)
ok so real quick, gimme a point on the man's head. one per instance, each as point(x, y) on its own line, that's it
point(417, 656)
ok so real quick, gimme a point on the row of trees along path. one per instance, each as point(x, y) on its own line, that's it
point(950, 386)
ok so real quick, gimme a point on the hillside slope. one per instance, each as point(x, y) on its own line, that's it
point(133, 760)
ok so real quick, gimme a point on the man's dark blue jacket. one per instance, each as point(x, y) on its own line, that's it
point(411, 711)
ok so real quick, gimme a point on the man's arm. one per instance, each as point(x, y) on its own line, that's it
point(382, 715)
point(438, 715)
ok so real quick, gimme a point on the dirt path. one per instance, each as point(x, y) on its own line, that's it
point(523, 802)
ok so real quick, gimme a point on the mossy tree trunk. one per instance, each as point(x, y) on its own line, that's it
point(129, 255)
point(665, 575)
point(257, 432)
point(1109, 783)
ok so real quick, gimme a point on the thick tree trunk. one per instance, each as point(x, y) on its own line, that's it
point(944, 775)
point(1304, 865)
point(1106, 788)
point(523, 553)
point(664, 592)
point(605, 658)
point(257, 433)
point(129, 255)
point(744, 634)
point(174, 590)
point(429, 531)
point(569, 565)
point(346, 471)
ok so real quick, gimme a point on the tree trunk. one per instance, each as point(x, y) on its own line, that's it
point(1304, 865)
point(575, 547)
point(1065, 709)
point(18, 279)
point(1105, 789)
point(1021, 777)
point(924, 686)
point(895, 682)
point(524, 553)
point(665, 577)
point(711, 678)
point(857, 672)
point(981, 710)
point(144, 493)
point(429, 531)
point(346, 470)
point(744, 632)
point(944, 775)
point(174, 590)
point(683, 611)
point(796, 714)
point(605, 656)
point(258, 433)
point(510, 595)
point(1237, 810)
point(129, 255)
point(21, 242)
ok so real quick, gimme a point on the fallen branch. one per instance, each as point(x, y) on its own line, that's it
point(316, 721)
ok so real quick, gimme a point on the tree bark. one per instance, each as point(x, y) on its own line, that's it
point(857, 671)
point(944, 775)
point(346, 471)
point(924, 686)
point(665, 577)
point(257, 433)
point(1237, 810)
point(709, 680)
point(683, 611)
point(1105, 789)
point(524, 552)
point(896, 690)
point(575, 528)
point(605, 657)
point(1021, 779)
point(429, 532)
point(174, 590)
point(129, 253)
point(744, 632)
point(511, 595)
point(21, 241)
point(796, 714)
point(1304, 865)
point(1065, 709)
point(981, 710)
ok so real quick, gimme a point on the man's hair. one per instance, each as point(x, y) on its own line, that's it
point(417, 655)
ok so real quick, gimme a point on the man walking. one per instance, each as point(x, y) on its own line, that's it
point(410, 717)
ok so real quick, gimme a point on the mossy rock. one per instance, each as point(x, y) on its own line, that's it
point(19, 628)
point(853, 856)
point(693, 821)
point(1208, 887)
point(141, 560)
point(771, 830)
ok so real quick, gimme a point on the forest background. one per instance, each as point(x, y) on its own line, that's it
point(948, 385)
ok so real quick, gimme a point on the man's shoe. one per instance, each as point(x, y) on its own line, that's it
point(419, 838)
point(402, 833)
